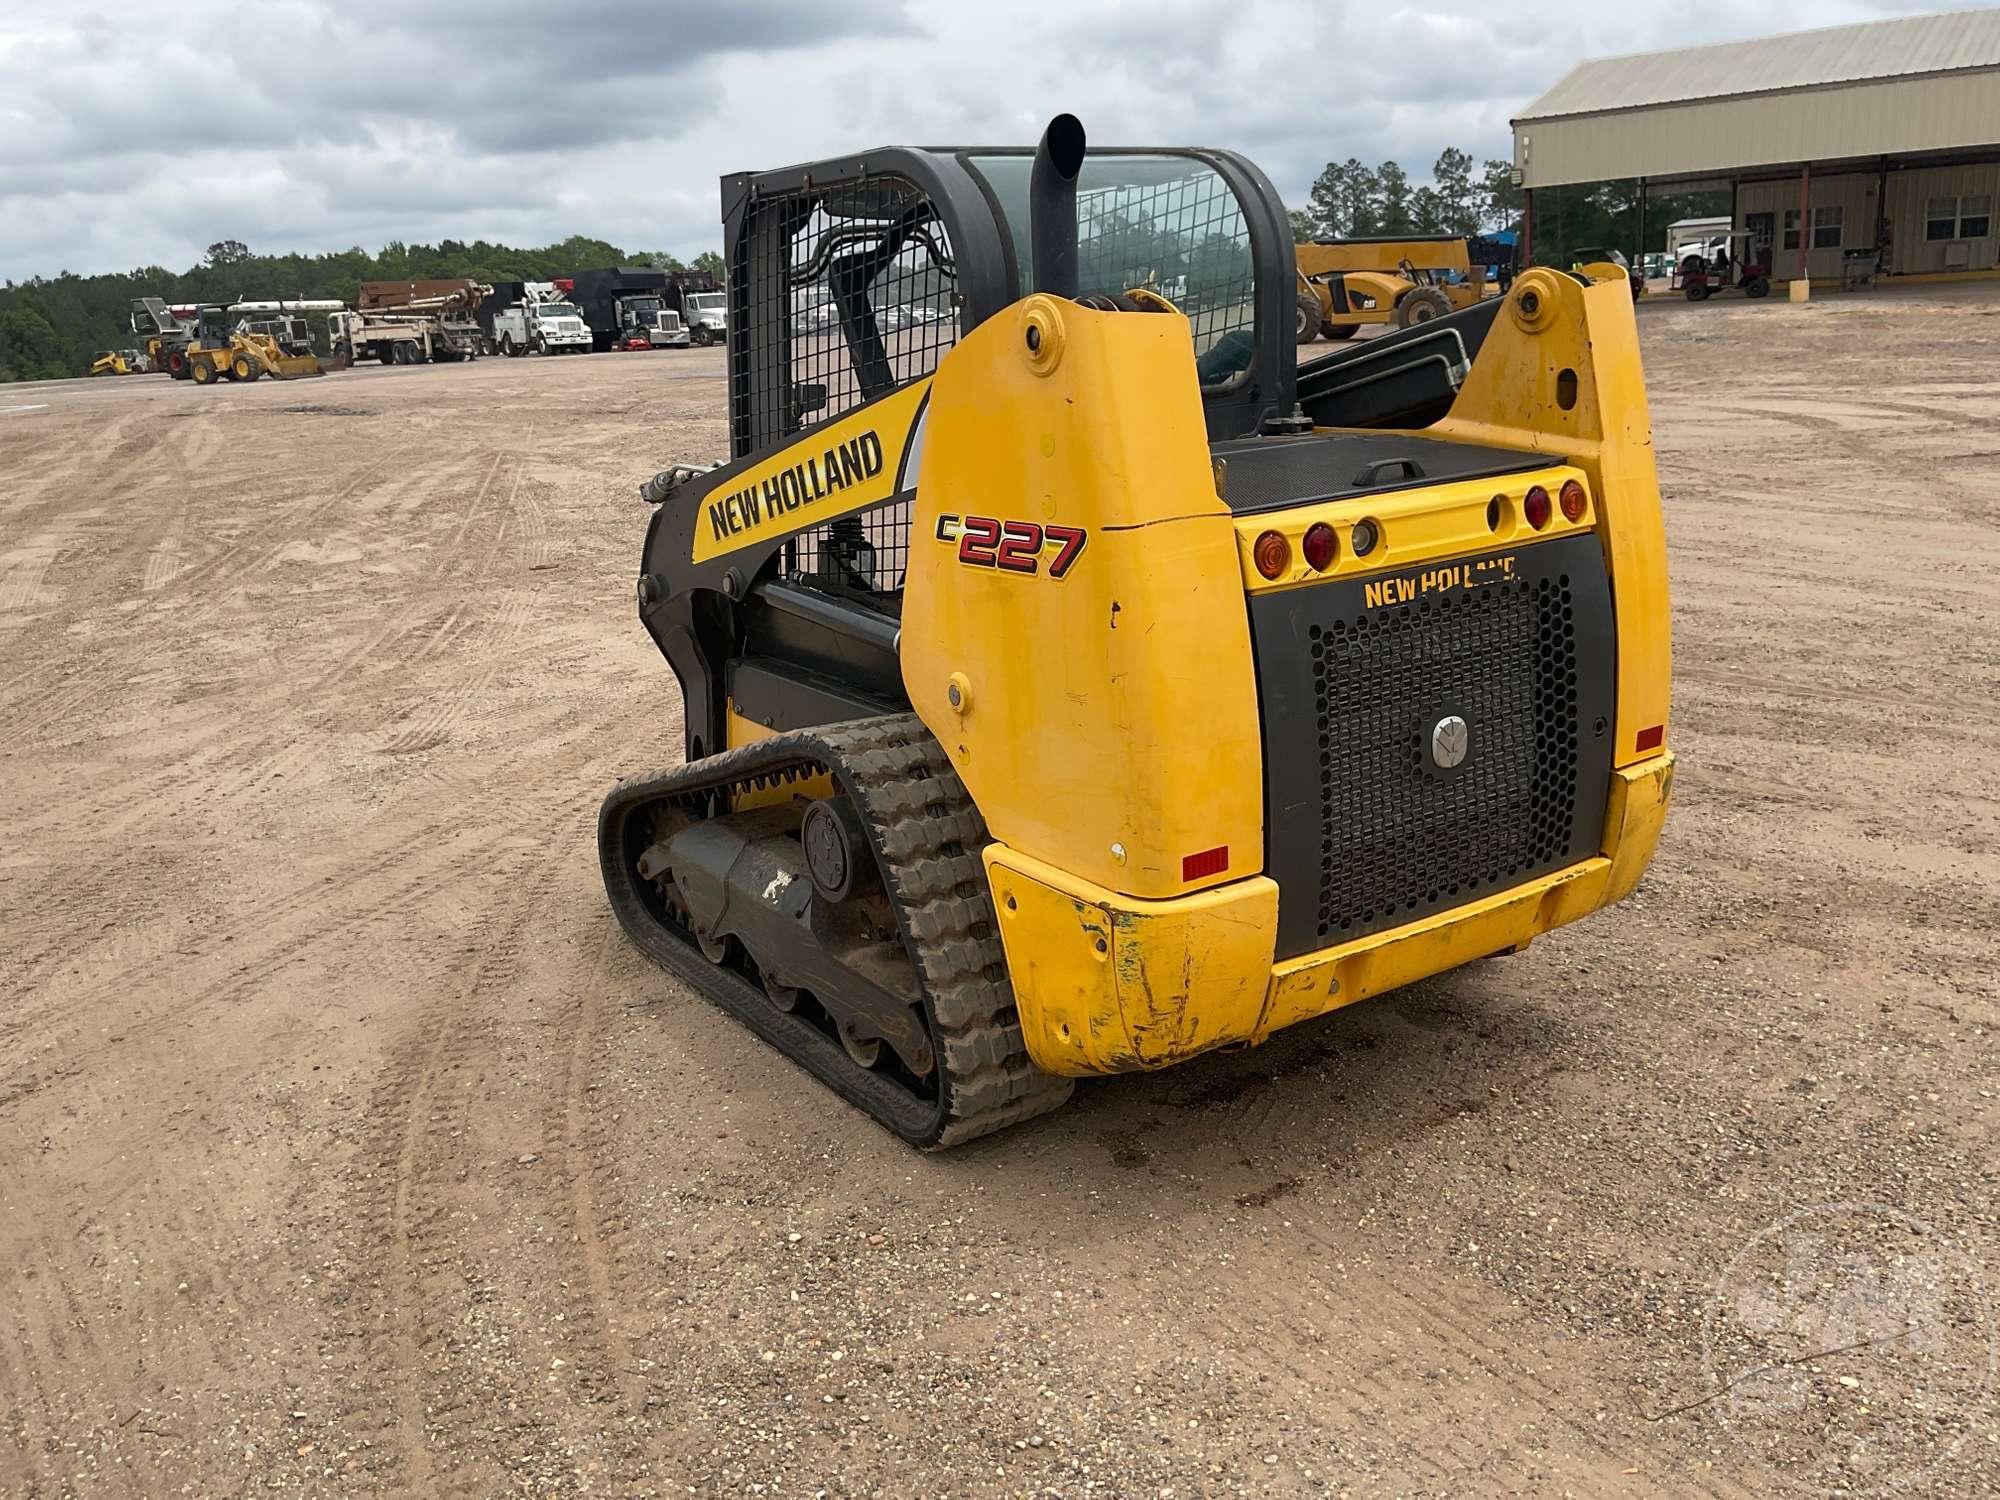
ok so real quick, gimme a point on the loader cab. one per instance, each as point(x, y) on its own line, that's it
point(851, 278)
point(212, 327)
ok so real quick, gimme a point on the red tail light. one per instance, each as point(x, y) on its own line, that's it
point(1208, 862)
point(1274, 554)
point(1322, 545)
point(1536, 507)
point(1651, 739)
point(1572, 500)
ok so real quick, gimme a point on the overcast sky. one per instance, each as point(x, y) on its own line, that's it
point(136, 134)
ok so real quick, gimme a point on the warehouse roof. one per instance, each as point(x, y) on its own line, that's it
point(1908, 47)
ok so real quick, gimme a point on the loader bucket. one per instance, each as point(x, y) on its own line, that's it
point(294, 367)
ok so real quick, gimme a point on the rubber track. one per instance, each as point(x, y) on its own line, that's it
point(928, 837)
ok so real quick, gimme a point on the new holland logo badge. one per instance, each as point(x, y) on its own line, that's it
point(1450, 739)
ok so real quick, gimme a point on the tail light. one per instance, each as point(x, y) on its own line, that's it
point(1572, 500)
point(1536, 507)
point(1363, 537)
point(1322, 545)
point(1274, 554)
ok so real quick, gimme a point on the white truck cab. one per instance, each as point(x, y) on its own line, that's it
point(544, 323)
point(707, 316)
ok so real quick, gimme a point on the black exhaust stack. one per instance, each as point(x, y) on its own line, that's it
point(1052, 206)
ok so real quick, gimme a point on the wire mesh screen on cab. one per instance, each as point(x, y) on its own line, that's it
point(844, 294)
point(1180, 233)
point(1154, 219)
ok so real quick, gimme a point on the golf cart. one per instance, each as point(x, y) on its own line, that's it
point(1731, 261)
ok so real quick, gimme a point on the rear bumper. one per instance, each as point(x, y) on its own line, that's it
point(1109, 984)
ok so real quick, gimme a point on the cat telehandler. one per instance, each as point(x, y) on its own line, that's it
point(1072, 682)
point(1347, 285)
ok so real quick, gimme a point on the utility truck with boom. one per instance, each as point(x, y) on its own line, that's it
point(543, 322)
point(1071, 686)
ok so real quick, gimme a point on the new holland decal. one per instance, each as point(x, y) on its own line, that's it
point(853, 462)
point(1466, 575)
point(849, 464)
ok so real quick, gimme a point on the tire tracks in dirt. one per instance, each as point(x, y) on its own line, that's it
point(82, 675)
point(402, 1224)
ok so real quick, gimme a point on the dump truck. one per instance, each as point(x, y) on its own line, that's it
point(1347, 285)
point(701, 303)
point(626, 307)
point(1073, 686)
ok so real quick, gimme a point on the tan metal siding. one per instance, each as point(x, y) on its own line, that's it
point(1909, 193)
point(1853, 193)
point(1721, 135)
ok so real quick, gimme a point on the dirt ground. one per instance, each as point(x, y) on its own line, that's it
point(345, 1146)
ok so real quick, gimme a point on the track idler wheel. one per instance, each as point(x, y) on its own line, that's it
point(838, 856)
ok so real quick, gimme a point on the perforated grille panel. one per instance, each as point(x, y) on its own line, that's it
point(1400, 835)
point(838, 296)
point(1383, 828)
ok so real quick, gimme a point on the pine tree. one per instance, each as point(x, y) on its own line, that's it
point(1500, 200)
point(1458, 198)
point(1362, 196)
point(1328, 207)
point(1395, 198)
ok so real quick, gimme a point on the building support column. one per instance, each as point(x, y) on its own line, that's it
point(1802, 283)
point(1639, 250)
point(1524, 253)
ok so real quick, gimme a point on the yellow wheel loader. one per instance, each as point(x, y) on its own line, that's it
point(1345, 285)
point(220, 351)
point(1073, 682)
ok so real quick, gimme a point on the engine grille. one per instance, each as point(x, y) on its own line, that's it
point(1376, 832)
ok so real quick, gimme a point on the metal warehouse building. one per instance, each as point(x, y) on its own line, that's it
point(1846, 151)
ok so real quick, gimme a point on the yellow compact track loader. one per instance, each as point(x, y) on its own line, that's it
point(1072, 682)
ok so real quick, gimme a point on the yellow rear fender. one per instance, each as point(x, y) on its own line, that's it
point(1074, 628)
point(1559, 373)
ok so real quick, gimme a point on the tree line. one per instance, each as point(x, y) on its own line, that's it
point(51, 327)
point(1351, 200)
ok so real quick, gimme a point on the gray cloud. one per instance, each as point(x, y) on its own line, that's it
point(131, 136)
